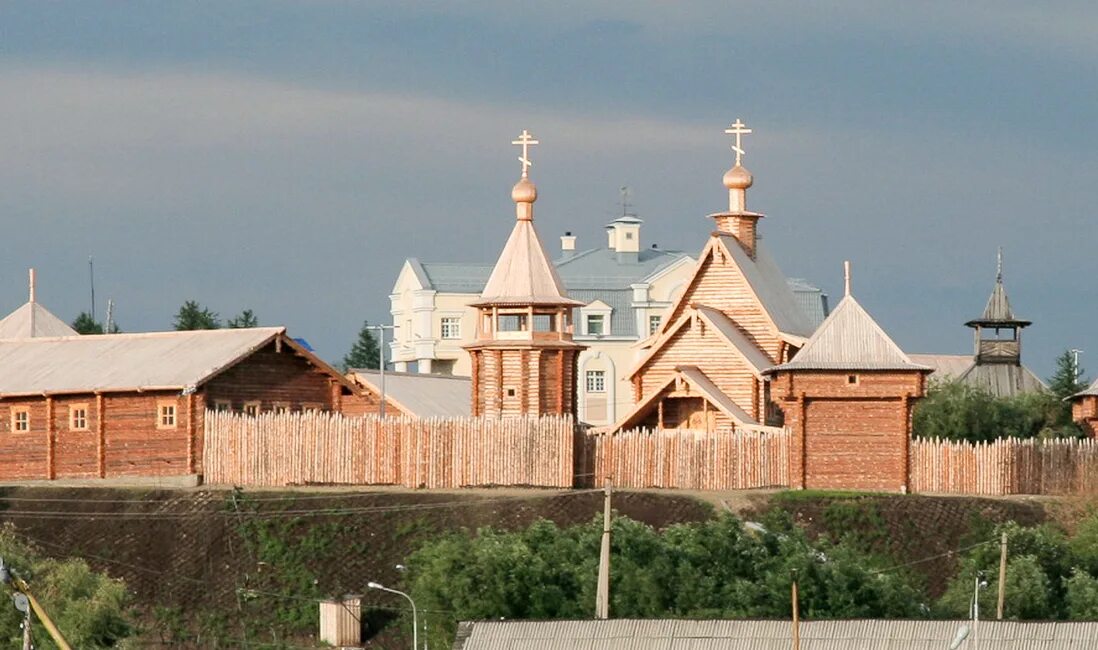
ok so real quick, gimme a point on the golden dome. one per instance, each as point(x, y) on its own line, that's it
point(524, 191)
point(738, 178)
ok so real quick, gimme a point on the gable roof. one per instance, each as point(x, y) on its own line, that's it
point(130, 362)
point(740, 634)
point(850, 340)
point(697, 380)
point(420, 395)
point(33, 320)
point(770, 287)
point(946, 367)
point(523, 274)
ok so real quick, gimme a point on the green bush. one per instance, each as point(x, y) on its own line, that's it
point(90, 609)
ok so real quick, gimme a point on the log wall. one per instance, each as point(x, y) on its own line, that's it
point(328, 448)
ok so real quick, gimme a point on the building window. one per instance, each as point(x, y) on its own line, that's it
point(510, 392)
point(596, 324)
point(222, 405)
point(20, 419)
point(852, 380)
point(251, 408)
point(281, 407)
point(78, 417)
point(165, 418)
point(654, 324)
point(451, 328)
point(596, 381)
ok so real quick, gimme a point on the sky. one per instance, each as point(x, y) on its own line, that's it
point(286, 156)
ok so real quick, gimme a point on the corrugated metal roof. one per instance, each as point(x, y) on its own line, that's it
point(850, 340)
point(623, 321)
point(671, 634)
point(811, 300)
point(1002, 379)
point(771, 287)
point(523, 274)
point(447, 277)
point(946, 367)
point(605, 268)
point(421, 395)
point(31, 320)
point(106, 362)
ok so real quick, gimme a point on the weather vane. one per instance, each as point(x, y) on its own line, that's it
point(525, 140)
point(738, 129)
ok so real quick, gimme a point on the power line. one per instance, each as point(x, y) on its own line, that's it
point(271, 514)
point(935, 557)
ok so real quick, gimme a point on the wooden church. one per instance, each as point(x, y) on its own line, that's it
point(524, 358)
point(703, 368)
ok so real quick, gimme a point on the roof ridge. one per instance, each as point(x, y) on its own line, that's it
point(141, 335)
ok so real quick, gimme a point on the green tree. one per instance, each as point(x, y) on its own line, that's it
point(709, 569)
point(956, 411)
point(1082, 596)
point(90, 609)
point(245, 319)
point(193, 316)
point(364, 353)
point(85, 324)
point(1065, 381)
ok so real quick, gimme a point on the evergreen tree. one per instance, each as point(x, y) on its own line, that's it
point(245, 319)
point(193, 316)
point(85, 324)
point(1065, 382)
point(1067, 379)
point(364, 353)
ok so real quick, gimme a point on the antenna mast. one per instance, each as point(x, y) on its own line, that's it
point(91, 279)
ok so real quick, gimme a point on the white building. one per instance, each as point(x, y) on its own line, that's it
point(624, 286)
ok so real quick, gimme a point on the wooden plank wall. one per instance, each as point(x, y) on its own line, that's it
point(328, 448)
point(691, 460)
point(1006, 466)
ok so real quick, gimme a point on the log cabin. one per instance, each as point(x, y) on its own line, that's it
point(1084, 409)
point(132, 404)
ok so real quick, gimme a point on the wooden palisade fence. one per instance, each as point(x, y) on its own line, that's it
point(1006, 466)
point(690, 459)
point(327, 448)
point(550, 451)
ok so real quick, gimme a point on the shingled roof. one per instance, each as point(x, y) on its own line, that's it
point(849, 339)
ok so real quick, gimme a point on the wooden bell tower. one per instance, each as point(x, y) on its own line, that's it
point(524, 358)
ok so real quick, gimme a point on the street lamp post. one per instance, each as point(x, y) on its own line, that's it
point(415, 621)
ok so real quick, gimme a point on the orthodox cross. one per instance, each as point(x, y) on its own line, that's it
point(525, 140)
point(738, 129)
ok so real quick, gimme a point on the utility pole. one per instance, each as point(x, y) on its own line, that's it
point(1075, 352)
point(110, 317)
point(1002, 576)
point(381, 365)
point(796, 615)
point(602, 596)
point(26, 624)
point(91, 279)
point(25, 599)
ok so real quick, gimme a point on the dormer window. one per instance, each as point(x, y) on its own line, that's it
point(596, 324)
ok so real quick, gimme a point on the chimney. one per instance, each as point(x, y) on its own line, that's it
point(568, 244)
